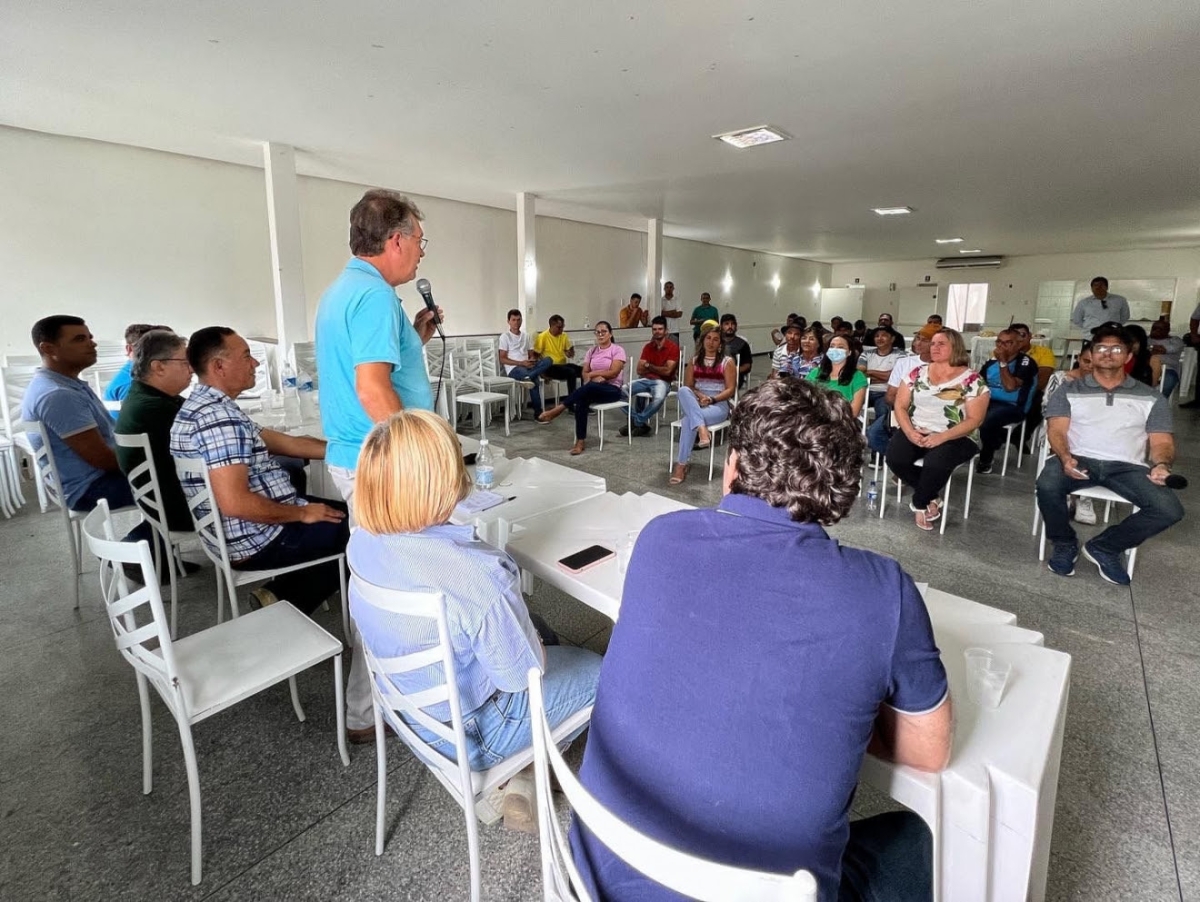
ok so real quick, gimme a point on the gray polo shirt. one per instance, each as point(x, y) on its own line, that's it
point(1110, 425)
point(1092, 312)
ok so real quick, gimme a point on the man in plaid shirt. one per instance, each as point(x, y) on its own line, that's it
point(267, 524)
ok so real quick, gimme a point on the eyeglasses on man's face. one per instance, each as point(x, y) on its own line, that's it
point(1108, 350)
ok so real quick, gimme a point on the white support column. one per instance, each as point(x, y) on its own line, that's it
point(287, 258)
point(653, 266)
point(526, 258)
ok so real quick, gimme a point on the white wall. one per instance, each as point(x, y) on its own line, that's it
point(585, 272)
point(117, 234)
point(1013, 289)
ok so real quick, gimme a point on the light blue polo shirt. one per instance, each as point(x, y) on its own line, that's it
point(360, 320)
point(66, 406)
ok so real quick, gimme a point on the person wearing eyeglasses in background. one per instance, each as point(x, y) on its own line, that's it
point(1108, 430)
point(1099, 308)
point(603, 376)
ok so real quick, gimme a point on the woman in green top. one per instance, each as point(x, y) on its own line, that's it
point(839, 372)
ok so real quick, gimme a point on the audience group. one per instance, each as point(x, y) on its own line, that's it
point(796, 446)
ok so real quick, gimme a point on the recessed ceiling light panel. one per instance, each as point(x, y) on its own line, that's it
point(892, 211)
point(753, 137)
point(947, 241)
point(973, 250)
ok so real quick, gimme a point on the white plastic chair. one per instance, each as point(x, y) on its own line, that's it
point(209, 671)
point(1095, 492)
point(606, 406)
point(14, 380)
point(1008, 434)
point(696, 878)
point(147, 494)
point(211, 532)
point(398, 709)
point(471, 377)
point(439, 367)
point(46, 469)
point(713, 432)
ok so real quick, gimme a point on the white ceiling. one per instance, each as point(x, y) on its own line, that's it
point(1026, 127)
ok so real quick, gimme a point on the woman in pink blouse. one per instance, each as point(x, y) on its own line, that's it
point(603, 376)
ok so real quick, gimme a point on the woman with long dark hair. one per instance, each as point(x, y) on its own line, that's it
point(839, 373)
point(1141, 365)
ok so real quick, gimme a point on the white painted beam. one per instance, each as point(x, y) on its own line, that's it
point(287, 257)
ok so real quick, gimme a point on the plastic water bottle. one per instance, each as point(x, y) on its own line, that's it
point(485, 469)
point(307, 396)
point(872, 497)
point(291, 396)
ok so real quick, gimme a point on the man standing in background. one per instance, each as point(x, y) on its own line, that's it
point(672, 310)
point(1099, 308)
point(371, 365)
point(703, 314)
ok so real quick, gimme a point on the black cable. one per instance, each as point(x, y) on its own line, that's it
point(437, 396)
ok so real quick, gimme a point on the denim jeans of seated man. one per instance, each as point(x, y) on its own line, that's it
point(502, 726)
point(644, 410)
point(888, 858)
point(1159, 506)
point(532, 374)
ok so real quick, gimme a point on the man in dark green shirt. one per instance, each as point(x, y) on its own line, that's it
point(703, 314)
point(160, 372)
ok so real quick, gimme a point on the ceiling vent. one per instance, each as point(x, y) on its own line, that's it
point(982, 262)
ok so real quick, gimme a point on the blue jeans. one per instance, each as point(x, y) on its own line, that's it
point(532, 374)
point(695, 416)
point(880, 430)
point(644, 411)
point(991, 432)
point(502, 726)
point(114, 488)
point(1160, 507)
point(1170, 381)
point(889, 858)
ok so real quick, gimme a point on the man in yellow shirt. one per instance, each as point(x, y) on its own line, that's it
point(633, 315)
point(556, 344)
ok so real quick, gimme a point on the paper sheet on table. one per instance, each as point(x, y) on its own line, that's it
point(477, 502)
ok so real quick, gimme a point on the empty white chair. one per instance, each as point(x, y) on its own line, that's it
point(398, 710)
point(696, 878)
point(211, 532)
point(1008, 434)
point(147, 494)
point(471, 377)
point(209, 671)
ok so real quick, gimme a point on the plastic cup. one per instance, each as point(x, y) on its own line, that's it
point(987, 676)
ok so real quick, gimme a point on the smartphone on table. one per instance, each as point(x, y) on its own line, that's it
point(586, 559)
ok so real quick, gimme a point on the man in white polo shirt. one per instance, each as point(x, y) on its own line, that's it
point(519, 359)
point(1109, 430)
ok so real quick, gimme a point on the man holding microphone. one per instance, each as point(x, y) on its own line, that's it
point(370, 363)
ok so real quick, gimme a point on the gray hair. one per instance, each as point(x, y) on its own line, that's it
point(377, 216)
point(157, 344)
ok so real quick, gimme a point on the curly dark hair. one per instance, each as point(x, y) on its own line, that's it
point(798, 447)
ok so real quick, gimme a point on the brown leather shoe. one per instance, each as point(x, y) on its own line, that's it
point(366, 735)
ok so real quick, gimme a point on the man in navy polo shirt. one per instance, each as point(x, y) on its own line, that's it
point(732, 724)
point(1012, 377)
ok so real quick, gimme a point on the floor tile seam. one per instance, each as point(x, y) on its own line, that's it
point(1157, 756)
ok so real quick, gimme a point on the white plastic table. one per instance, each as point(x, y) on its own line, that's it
point(533, 487)
point(538, 543)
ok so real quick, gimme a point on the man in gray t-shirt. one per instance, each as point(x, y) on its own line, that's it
point(1107, 430)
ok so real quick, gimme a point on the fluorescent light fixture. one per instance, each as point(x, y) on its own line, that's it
point(775, 282)
point(753, 137)
point(947, 241)
point(892, 211)
point(973, 250)
point(727, 282)
point(816, 288)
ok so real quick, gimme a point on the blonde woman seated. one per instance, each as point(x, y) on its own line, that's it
point(938, 408)
point(839, 373)
point(410, 476)
point(708, 384)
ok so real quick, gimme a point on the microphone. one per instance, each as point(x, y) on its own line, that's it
point(427, 293)
point(1175, 481)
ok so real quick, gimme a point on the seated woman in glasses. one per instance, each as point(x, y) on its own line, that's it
point(410, 477)
point(603, 377)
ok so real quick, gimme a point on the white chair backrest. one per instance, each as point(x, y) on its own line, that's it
point(47, 467)
point(203, 508)
point(22, 360)
point(694, 877)
point(438, 656)
point(137, 619)
point(143, 480)
point(469, 371)
point(434, 358)
point(14, 380)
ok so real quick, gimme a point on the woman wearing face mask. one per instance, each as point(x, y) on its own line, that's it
point(839, 372)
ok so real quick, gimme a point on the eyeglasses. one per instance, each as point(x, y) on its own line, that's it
point(1111, 350)
point(421, 242)
point(176, 359)
point(602, 332)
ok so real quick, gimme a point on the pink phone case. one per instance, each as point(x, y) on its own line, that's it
point(565, 569)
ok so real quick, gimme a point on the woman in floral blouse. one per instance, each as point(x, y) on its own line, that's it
point(939, 407)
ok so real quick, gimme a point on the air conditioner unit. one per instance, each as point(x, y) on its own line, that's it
point(993, 262)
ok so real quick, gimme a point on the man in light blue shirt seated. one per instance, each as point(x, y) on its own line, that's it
point(118, 388)
point(1100, 308)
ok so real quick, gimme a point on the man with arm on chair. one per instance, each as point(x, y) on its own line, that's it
point(655, 370)
point(555, 345)
point(267, 525)
point(692, 712)
point(1109, 430)
point(1012, 378)
point(521, 361)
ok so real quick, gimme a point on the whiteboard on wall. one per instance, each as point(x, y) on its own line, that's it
point(844, 302)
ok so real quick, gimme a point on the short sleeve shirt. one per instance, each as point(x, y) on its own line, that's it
point(1023, 367)
point(211, 426)
point(118, 388)
point(704, 312)
point(599, 360)
point(67, 406)
point(739, 349)
point(1041, 355)
point(1110, 425)
point(903, 368)
point(554, 347)
point(656, 356)
point(873, 360)
point(857, 382)
point(515, 346)
point(936, 407)
point(731, 724)
point(360, 320)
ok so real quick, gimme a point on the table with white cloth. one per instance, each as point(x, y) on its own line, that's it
point(530, 487)
point(992, 809)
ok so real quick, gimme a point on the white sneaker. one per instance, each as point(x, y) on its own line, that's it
point(1085, 512)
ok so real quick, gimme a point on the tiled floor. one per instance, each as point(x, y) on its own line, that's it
point(284, 820)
